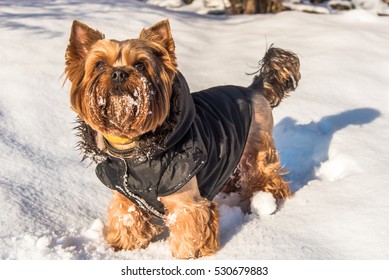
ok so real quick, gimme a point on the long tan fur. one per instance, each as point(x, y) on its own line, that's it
point(193, 223)
point(128, 226)
point(192, 220)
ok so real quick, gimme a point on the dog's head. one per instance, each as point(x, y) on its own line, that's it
point(121, 88)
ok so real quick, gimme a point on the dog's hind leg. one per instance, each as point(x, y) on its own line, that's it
point(128, 227)
point(259, 168)
point(262, 171)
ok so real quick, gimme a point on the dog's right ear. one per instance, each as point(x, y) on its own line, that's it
point(82, 37)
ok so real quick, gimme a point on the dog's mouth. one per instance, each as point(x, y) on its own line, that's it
point(119, 109)
point(122, 108)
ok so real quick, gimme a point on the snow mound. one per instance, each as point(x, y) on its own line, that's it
point(337, 167)
point(263, 204)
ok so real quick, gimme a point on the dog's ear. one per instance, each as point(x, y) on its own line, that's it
point(82, 37)
point(81, 40)
point(161, 34)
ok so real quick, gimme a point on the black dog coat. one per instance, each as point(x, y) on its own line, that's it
point(204, 136)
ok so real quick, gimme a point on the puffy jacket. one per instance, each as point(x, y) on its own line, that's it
point(204, 136)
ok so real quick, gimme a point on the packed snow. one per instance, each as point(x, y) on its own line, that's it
point(263, 204)
point(332, 133)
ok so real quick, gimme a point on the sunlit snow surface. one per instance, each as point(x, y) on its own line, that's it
point(332, 133)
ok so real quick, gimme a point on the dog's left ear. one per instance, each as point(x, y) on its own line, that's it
point(161, 34)
point(82, 37)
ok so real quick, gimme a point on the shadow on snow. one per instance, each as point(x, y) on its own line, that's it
point(303, 147)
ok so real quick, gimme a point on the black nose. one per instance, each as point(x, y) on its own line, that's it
point(118, 76)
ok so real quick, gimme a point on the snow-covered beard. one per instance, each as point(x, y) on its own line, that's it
point(123, 109)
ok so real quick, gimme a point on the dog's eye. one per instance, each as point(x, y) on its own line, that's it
point(140, 66)
point(99, 65)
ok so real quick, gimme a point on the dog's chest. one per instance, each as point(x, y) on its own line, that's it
point(145, 182)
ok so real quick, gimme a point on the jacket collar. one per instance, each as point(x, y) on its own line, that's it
point(149, 145)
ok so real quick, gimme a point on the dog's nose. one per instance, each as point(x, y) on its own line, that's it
point(118, 76)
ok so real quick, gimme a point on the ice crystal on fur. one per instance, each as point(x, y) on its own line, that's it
point(128, 220)
point(171, 219)
point(101, 101)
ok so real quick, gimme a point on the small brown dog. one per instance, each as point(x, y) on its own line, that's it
point(164, 151)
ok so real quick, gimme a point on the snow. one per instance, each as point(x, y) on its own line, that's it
point(263, 204)
point(332, 133)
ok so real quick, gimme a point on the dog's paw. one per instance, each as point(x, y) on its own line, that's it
point(130, 229)
point(191, 251)
point(194, 231)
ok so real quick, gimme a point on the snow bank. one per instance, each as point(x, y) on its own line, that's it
point(332, 133)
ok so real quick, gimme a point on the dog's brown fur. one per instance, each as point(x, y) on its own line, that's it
point(192, 220)
point(193, 223)
point(90, 87)
point(129, 226)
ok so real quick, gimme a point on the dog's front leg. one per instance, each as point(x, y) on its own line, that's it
point(128, 226)
point(193, 222)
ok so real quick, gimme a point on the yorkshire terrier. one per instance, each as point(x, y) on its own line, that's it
point(165, 152)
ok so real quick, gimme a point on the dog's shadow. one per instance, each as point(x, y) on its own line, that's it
point(304, 147)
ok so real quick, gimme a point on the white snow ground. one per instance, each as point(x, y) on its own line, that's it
point(332, 133)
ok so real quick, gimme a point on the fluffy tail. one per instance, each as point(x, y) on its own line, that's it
point(279, 74)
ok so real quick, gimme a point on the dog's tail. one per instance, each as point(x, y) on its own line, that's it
point(279, 74)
